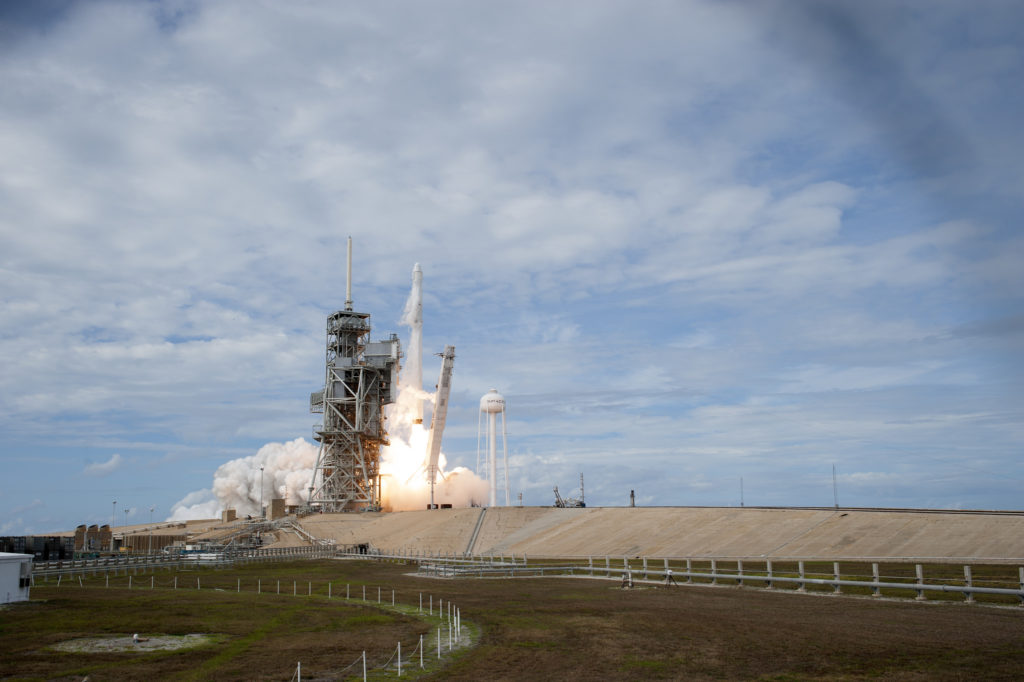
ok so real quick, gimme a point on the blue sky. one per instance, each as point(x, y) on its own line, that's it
point(691, 242)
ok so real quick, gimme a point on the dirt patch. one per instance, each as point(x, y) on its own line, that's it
point(89, 645)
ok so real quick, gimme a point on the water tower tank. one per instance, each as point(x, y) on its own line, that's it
point(492, 402)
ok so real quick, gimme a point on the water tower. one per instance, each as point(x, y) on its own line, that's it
point(493, 404)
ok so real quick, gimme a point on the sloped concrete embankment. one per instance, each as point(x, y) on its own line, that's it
point(688, 532)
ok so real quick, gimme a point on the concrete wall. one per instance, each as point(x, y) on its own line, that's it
point(447, 530)
point(740, 532)
point(11, 573)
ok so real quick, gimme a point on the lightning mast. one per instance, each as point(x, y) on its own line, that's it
point(360, 378)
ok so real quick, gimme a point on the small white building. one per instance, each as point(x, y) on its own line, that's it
point(15, 577)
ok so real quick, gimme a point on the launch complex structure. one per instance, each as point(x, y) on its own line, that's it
point(361, 377)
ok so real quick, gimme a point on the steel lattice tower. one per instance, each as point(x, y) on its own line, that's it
point(360, 378)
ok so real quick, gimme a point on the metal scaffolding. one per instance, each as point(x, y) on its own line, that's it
point(361, 377)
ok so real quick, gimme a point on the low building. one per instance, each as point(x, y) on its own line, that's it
point(42, 547)
point(15, 577)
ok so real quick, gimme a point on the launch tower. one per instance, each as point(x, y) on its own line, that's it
point(361, 377)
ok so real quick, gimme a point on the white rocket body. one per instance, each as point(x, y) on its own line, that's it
point(414, 359)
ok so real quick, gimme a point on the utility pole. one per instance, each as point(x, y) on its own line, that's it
point(261, 493)
point(150, 550)
point(113, 515)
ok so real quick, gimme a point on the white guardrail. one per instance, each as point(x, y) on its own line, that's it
point(124, 564)
point(451, 566)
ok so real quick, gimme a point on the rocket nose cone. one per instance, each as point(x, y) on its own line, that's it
point(416, 268)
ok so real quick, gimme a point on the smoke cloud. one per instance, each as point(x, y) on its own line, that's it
point(287, 472)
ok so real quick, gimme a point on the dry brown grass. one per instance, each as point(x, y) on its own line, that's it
point(531, 629)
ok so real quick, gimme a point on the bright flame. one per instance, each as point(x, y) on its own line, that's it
point(403, 466)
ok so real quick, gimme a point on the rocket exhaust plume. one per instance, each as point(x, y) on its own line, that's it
point(404, 483)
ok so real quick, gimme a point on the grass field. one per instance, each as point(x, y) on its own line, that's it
point(525, 629)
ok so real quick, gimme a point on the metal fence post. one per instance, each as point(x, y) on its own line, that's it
point(645, 568)
point(689, 571)
point(919, 569)
point(801, 586)
point(739, 572)
point(714, 572)
point(835, 572)
point(875, 591)
point(1020, 574)
point(969, 596)
point(769, 581)
point(608, 569)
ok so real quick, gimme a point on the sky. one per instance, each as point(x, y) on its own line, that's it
point(708, 251)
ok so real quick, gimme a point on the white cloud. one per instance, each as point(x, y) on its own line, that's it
point(104, 468)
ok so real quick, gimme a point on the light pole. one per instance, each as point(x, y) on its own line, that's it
point(113, 513)
point(261, 492)
point(150, 550)
point(126, 510)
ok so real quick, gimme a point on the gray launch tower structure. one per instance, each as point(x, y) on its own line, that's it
point(361, 378)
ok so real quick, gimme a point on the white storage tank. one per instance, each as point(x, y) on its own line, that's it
point(15, 577)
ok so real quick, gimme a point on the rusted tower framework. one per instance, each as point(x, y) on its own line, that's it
point(361, 377)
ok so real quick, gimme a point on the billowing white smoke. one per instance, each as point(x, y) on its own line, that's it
point(287, 471)
point(404, 483)
point(288, 467)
